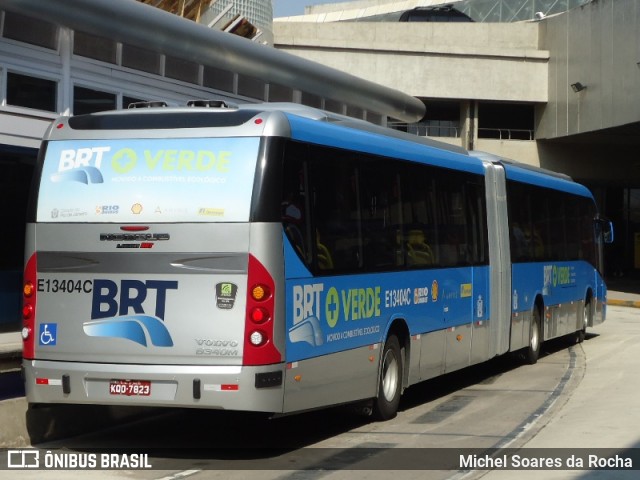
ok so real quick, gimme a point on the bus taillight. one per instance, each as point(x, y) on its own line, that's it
point(259, 315)
point(259, 348)
point(29, 308)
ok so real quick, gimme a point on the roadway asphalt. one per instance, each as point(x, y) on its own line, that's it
point(602, 412)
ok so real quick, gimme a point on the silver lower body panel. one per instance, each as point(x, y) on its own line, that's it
point(218, 387)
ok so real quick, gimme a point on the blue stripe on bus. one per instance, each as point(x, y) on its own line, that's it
point(335, 313)
point(557, 282)
point(322, 133)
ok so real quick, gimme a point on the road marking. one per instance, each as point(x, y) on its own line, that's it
point(179, 475)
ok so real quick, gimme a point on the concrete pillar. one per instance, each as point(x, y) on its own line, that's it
point(469, 124)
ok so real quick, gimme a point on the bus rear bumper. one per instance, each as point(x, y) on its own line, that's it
point(242, 388)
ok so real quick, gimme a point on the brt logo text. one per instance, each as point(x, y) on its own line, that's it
point(125, 160)
point(350, 304)
point(118, 311)
point(110, 299)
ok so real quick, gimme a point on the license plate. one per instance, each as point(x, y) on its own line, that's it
point(130, 387)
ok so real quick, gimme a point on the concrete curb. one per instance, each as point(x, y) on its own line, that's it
point(624, 303)
point(23, 425)
point(14, 428)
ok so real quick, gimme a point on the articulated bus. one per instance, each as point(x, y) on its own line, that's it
point(277, 258)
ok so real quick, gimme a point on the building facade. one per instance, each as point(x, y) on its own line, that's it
point(258, 12)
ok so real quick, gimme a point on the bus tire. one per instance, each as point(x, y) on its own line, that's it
point(586, 316)
point(535, 337)
point(385, 406)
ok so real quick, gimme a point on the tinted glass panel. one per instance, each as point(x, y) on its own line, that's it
point(140, 59)
point(92, 46)
point(30, 30)
point(549, 225)
point(348, 212)
point(86, 101)
point(31, 92)
point(219, 79)
point(181, 69)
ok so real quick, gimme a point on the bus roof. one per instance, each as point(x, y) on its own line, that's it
point(302, 123)
point(530, 174)
point(382, 141)
point(295, 121)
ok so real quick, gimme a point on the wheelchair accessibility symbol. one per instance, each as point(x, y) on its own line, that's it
point(48, 334)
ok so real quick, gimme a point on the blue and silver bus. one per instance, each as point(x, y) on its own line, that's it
point(278, 258)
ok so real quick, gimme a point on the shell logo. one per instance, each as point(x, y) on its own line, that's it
point(434, 290)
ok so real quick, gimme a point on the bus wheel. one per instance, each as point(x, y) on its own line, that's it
point(586, 314)
point(385, 406)
point(535, 337)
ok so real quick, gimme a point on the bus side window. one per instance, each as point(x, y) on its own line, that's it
point(418, 218)
point(325, 260)
point(419, 252)
point(334, 206)
point(381, 215)
point(294, 220)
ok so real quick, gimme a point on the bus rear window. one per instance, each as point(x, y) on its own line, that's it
point(148, 180)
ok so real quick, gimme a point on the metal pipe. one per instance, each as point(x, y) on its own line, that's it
point(144, 26)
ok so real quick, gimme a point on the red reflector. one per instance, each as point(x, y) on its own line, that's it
point(59, 126)
point(258, 121)
point(42, 381)
point(229, 387)
point(27, 311)
point(146, 245)
point(259, 315)
point(134, 228)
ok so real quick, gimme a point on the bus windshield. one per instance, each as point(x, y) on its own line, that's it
point(138, 180)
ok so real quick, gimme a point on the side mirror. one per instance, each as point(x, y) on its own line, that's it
point(604, 228)
point(607, 233)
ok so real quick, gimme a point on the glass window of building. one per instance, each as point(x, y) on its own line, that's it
point(86, 100)
point(140, 59)
point(442, 119)
point(92, 46)
point(30, 30)
point(279, 93)
point(31, 92)
point(355, 112)
point(333, 106)
point(506, 121)
point(218, 79)
point(250, 87)
point(180, 69)
point(311, 100)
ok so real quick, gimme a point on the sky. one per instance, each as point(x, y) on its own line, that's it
point(285, 8)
